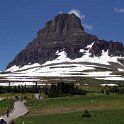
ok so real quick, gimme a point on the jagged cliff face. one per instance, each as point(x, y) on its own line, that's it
point(64, 33)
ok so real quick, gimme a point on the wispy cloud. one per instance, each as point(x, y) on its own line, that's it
point(88, 27)
point(77, 13)
point(60, 12)
point(119, 10)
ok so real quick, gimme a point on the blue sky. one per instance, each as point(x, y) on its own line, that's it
point(20, 21)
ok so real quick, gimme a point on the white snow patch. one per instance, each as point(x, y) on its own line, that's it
point(103, 59)
point(17, 68)
point(90, 45)
point(29, 66)
point(98, 74)
point(82, 50)
point(121, 70)
point(112, 85)
point(57, 70)
point(62, 57)
point(112, 78)
point(13, 68)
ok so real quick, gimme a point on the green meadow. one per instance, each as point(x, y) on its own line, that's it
point(104, 109)
point(4, 104)
point(97, 117)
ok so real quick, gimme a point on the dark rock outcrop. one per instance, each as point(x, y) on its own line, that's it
point(64, 32)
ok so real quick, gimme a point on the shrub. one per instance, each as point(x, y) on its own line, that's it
point(86, 114)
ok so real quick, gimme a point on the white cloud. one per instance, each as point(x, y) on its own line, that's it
point(77, 13)
point(60, 12)
point(88, 27)
point(119, 10)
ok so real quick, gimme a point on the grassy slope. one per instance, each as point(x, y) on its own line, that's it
point(68, 110)
point(77, 103)
point(97, 117)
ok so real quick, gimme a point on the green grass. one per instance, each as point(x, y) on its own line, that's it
point(7, 95)
point(4, 104)
point(91, 89)
point(97, 117)
point(104, 109)
point(8, 101)
point(12, 95)
point(77, 103)
point(95, 82)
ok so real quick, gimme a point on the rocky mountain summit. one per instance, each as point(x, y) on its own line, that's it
point(64, 32)
point(62, 50)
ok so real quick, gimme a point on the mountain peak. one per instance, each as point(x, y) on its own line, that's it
point(64, 24)
point(64, 33)
point(69, 21)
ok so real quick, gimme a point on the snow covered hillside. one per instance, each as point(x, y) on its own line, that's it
point(102, 67)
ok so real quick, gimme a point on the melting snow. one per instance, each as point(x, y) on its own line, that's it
point(121, 70)
point(17, 68)
point(104, 59)
point(62, 57)
point(13, 68)
point(98, 74)
point(109, 85)
point(116, 78)
point(62, 67)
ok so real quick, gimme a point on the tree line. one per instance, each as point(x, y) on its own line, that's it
point(59, 89)
point(63, 89)
point(114, 89)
